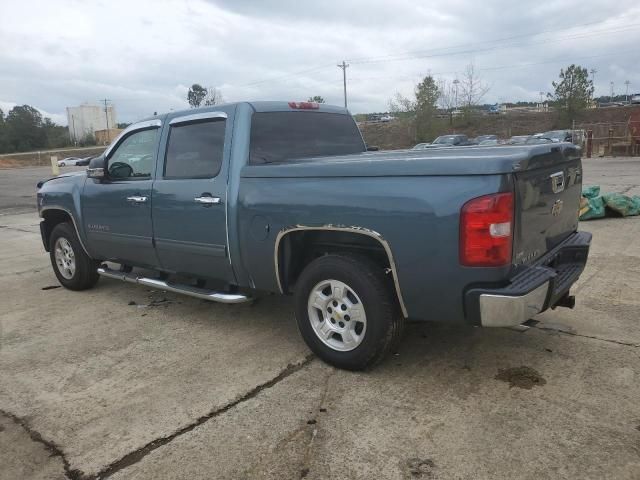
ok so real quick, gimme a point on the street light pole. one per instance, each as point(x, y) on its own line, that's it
point(455, 86)
point(627, 82)
point(611, 98)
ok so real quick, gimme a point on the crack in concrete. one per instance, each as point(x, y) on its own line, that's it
point(309, 452)
point(625, 190)
point(49, 445)
point(8, 227)
point(566, 332)
point(137, 455)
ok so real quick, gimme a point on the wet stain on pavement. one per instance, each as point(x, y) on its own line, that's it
point(420, 468)
point(521, 377)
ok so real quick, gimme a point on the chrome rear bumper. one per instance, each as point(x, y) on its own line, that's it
point(506, 311)
point(532, 288)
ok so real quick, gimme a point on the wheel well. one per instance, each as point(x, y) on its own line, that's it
point(51, 219)
point(300, 247)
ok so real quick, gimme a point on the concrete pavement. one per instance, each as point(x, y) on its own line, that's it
point(126, 383)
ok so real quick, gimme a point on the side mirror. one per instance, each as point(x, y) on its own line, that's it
point(372, 148)
point(97, 168)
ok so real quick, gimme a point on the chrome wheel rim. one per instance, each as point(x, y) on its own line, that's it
point(337, 315)
point(65, 258)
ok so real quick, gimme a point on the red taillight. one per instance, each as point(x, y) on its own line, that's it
point(304, 105)
point(486, 231)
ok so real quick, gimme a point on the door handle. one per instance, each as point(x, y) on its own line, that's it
point(136, 199)
point(207, 200)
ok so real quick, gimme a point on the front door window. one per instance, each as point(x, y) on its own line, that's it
point(133, 158)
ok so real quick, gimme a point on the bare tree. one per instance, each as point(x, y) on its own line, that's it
point(472, 88)
point(213, 97)
point(447, 98)
point(401, 104)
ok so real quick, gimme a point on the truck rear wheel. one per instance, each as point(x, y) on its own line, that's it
point(346, 312)
point(73, 267)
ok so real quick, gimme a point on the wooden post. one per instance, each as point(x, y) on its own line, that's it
point(589, 143)
point(609, 140)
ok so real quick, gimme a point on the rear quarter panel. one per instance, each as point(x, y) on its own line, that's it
point(417, 215)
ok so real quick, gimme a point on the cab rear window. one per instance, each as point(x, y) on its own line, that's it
point(278, 137)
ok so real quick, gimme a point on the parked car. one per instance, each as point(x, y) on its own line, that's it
point(533, 140)
point(518, 139)
point(421, 146)
point(481, 138)
point(489, 142)
point(83, 162)
point(69, 161)
point(450, 141)
point(558, 135)
point(296, 205)
point(635, 99)
point(387, 118)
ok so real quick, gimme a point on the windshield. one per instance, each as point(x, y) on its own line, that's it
point(282, 136)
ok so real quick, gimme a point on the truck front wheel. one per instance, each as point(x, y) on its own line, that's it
point(73, 267)
point(346, 311)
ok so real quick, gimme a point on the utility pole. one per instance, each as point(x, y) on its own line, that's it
point(106, 116)
point(627, 82)
point(344, 66)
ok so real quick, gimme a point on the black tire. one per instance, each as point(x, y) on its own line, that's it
point(85, 274)
point(384, 324)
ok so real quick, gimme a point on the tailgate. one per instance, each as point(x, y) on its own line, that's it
point(547, 196)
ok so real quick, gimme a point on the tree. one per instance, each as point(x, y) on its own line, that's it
point(196, 95)
point(24, 128)
point(472, 88)
point(572, 92)
point(427, 94)
point(316, 99)
point(4, 141)
point(56, 135)
point(213, 97)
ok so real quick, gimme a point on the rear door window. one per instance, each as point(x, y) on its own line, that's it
point(283, 136)
point(195, 150)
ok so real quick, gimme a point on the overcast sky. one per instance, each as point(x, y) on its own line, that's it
point(143, 54)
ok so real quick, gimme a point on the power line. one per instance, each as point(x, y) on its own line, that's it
point(463, 45)
point(501, 67)
point(425, 53)
point(493, 48)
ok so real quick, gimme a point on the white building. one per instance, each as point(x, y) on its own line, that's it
point(86, 119)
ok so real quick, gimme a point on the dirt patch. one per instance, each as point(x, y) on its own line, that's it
point(521, 377)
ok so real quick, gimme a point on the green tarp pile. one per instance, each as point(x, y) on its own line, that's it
point(594, 205)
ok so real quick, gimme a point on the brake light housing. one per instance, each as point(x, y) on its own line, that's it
point(486, 231)
point(304, 105)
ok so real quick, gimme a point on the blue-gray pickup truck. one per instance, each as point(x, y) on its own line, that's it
point(226, 203)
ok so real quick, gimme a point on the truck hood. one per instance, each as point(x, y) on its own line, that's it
point(468, 160)
point(65, 177)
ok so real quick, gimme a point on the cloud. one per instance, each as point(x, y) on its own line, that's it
point(143, 55)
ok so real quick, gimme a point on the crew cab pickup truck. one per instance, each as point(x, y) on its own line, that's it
point(229, 202)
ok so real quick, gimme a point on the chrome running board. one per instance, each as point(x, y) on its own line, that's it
point(196, 292)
